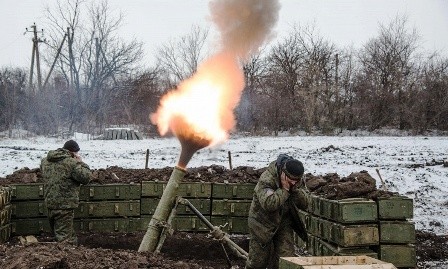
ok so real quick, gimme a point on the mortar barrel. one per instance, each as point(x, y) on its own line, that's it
point(162, 212)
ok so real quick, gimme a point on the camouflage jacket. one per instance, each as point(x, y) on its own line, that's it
point(273, 206)
point(63, 175)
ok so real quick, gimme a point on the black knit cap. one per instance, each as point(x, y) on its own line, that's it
point(71, 145)
point(293, 169)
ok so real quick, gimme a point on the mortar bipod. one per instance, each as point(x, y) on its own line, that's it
point(216, 231)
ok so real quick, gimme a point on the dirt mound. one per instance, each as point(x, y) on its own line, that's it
point(181, 250)
point(331, 186)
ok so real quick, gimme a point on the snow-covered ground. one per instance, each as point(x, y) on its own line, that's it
point(402, 161)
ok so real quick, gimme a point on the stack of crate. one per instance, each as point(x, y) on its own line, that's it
point(29, 214)
point(356, 226)
point(107, 208)
point(397, 231)
point(102, 208)
point(230, 206)
point(5, 214)
point(380, 229)
point(198, 193)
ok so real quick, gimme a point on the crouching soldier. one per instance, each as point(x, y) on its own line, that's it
point(273, 213)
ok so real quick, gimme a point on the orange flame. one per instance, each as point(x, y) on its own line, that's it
point(202, 106)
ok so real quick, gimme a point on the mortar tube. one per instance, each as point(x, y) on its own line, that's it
point(151, 238)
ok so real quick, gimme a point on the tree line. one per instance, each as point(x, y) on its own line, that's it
point(302, 82)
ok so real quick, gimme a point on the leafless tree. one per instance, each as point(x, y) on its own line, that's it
point(96, 58)
point(179, 58)
point(429, 107)
point(249, 109)
point(12, 92)
point(387, 67)
point(302, 67)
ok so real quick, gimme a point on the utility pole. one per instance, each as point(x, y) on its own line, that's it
point(35, 54)
point(54, 62)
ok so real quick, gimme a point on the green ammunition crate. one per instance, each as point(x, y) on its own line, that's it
point(203, 205)
point(238, 208)
point(138, 224)
point(314, 205)
point(5, 233)
point(149, 205)
point(186, 190)
point(5, 215)
point(189, 224)
point(329, 249)
point(395, 208)
point(399, 255)
point(349, 235)
point(31, 191)
point(180, 223)
point(106, 209)
point(110, 192)
point(233, 191)
point(397, 232)
point(310, 244)
point(29, 209)
point(102, 225)
point(231, 225)
point(298, 241)
point(313, 225)
point(30, 226)
point(5, 196)
point(353, 210)
point(153, 188)
point(333, 262)
point(304, 217)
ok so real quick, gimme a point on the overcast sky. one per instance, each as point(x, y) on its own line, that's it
point(344, 22)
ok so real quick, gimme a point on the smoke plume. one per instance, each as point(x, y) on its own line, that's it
point(244, 25)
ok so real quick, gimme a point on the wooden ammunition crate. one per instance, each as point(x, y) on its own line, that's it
point(29, 209)
point(397, 232)
point(102, 225)
point(30, 226)
point(399, 255)
point(233, 191)
point(110, 209)
point(395, 208)
point(5, 215)
point(346, 235)
point(234, 225)
point(186, 190)
point(328, 249)
point(5, 233)
point(352, 210)
point(180, 223)
point(333, 262)
point(189, 224)
point(149, 205)
point(5, 196)
point(225, 207)
point(30, 191)
point(110, 192)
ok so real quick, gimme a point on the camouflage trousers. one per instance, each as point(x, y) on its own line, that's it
point(61, 223)
point(268, 255)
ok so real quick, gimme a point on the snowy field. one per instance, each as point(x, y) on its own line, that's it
point(405, 163)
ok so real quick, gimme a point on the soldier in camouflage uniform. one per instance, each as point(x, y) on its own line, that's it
point(272, 217)
point(63, 171)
